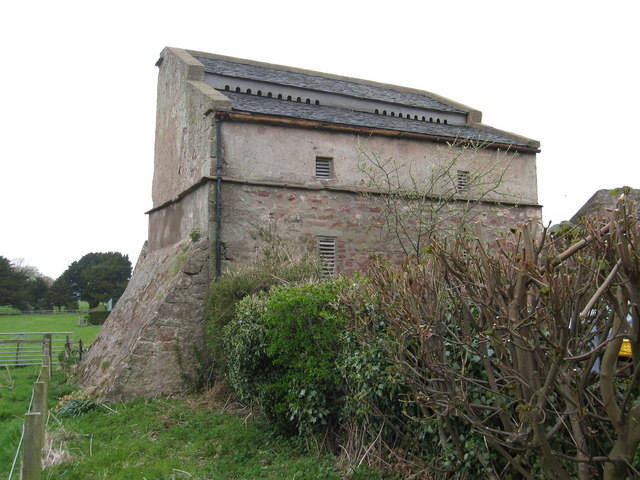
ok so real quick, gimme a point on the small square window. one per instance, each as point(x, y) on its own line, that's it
point(462, 182)
point(324, 167)
point(327, 250)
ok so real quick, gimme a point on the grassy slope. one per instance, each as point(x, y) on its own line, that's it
point(174, 439)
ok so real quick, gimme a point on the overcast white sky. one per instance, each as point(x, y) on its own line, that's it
point(78, 90)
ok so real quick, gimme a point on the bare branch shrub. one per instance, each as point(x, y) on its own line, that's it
point(437, 196)
point(507, 357)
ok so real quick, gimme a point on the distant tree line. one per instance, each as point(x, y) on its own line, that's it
point(22, 286)
point(95, 278)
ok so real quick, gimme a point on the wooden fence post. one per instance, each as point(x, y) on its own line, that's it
point(40, 394)
point(31, 462)
point(45, 373)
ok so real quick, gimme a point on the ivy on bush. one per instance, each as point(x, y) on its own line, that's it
point(250, 368)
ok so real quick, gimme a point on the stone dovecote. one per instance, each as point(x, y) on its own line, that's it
point(241, 144)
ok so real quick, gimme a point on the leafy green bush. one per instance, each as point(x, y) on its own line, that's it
point(283, 348)
point(276, 265)
point(245, 346)
point(304, 329)
point(98, 317)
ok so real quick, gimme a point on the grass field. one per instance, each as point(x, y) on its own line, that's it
point(64, 322)
point(16, 383)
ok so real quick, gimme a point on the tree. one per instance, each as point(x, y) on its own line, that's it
point(13, 285)
point(60, 294)
point(95, 278)
point(37, 285)
point(437, 198)
point(22, 286)
point(31, 272)
point(37, 289)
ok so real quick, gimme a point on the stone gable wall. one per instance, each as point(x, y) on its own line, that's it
point(185, 138)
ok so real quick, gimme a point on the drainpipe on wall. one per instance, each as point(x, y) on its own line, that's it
point(218, 239)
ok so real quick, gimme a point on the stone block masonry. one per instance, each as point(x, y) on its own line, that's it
point(160, 316)
point(355, 220)
point(300, 216)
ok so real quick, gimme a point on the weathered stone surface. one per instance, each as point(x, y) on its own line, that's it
point(603, 201)
point(354, 219)
point(184, 131)
point(160, 314)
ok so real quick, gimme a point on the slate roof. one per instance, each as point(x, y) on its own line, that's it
point(344, 116)
point(335, 115)
point(322, 84)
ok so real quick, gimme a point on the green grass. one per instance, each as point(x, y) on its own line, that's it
point(15, 393)
point(63, 322)
point(16, 385)
point(175, 439)
point(150, 439)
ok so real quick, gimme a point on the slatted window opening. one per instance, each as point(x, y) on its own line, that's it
point(327, 249)
point(462, 182)
point(324, 167)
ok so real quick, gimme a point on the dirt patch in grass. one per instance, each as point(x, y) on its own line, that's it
point(221, 398)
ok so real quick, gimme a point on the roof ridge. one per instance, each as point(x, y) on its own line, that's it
point(325, 83)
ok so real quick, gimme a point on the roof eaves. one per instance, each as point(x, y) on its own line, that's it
point(262, 106)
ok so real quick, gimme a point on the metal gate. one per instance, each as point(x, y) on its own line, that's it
point(27, 348)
